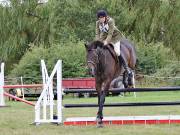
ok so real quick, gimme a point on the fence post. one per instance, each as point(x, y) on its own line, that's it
point(2, 102)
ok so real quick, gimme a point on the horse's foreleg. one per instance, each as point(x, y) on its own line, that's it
point(98, 89)
point(99, 97)
point(101, 104)
point(101, 100)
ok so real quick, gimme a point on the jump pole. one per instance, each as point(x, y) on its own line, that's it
point(124, 120)
point(23, 86)
point(19, 99)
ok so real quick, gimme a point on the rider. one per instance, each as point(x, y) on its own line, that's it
point(107, 32)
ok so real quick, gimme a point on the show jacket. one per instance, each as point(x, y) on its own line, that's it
point(108, 31)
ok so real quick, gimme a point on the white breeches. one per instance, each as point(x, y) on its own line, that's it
point(117, 48)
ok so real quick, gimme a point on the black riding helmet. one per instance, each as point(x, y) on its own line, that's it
point(101, 13)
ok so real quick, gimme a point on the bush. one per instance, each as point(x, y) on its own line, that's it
point(72, 54)
point(171, 72)
point(151, 57)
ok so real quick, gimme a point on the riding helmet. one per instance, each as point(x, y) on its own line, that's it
point(101, 13)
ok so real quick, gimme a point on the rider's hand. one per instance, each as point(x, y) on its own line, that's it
point(105, 42)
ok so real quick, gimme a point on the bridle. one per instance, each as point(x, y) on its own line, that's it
point(92, 62)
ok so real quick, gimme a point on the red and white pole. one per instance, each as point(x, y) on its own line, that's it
point(19, 99)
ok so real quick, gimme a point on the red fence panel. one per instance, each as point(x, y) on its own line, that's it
point(78, 83)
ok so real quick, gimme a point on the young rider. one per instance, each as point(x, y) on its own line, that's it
point(107, 32)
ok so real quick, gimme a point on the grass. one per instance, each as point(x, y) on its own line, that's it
point(17, 119)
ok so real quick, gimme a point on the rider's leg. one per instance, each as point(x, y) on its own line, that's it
point(120, 57)
point(117, 48)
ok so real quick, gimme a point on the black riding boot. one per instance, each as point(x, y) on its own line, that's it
point(121, 60)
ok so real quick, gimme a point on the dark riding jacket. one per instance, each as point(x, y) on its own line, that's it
point(108, 31)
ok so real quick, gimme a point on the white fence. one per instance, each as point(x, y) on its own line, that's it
point(2, 102)
point(47, 109)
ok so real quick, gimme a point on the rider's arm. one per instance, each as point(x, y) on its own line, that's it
point(97, 31)
point(110, 31)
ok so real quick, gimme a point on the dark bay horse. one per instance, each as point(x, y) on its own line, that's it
point(103, 65)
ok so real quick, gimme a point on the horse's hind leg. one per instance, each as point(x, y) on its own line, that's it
point(129, 80)
point(125, 79)
point(133, 82)
point(133, 79)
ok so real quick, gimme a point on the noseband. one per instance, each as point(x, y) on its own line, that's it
point(91, 62)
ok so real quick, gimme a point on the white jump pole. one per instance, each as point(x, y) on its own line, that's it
point(46, 99)
point(22, 89)
point(134, 83)
point(2, 102)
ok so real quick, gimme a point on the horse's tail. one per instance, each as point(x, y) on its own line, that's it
point(133, 57)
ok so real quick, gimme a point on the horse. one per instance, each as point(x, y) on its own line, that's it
point(103, 64)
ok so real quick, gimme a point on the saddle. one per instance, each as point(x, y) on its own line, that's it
point(113, 53)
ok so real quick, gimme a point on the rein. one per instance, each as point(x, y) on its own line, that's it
point(91, 62)
point(94, 63)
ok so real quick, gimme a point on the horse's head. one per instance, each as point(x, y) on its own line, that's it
point(92, 50)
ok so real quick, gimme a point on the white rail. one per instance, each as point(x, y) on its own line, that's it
point(2, 102)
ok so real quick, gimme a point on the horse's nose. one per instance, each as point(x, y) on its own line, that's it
point(91, 72)
point(92, 75)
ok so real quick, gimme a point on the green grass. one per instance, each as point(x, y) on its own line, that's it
point(16, 119)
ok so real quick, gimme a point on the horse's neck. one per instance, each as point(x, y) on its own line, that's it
point(106, 62)
point(102, 62)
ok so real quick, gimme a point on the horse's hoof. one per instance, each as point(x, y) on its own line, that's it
point(99, 120)
point(100, 125)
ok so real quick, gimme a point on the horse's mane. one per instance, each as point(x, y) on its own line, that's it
point(98, 44)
